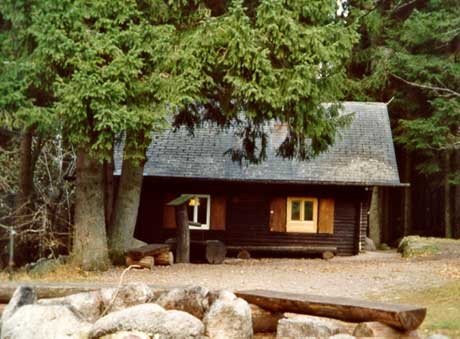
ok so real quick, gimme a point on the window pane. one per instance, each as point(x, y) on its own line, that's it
point(295, 210)
point(308, 210)
point(202, 210)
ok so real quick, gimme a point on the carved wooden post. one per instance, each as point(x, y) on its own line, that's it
point(183, 234)
point(182, 223)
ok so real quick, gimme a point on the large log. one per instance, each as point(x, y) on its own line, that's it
point(145, 262)
point(164, 259)
point(147, 250)
point(56, 290)
point(215, 251)
point(403, 317)
point(375, 329)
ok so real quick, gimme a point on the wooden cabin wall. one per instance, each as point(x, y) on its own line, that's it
point(248, 211)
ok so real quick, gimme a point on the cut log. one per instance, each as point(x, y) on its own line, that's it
point(147, 250)
point(379, 330)
point(328, 255)
point(164, 259)
point(145, 262)
point(243, 254)
point(403, 317)
point(215, 251)
point(263, 320)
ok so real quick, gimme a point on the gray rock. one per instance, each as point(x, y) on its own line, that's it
point(228, 317)
point(87, 304)
point(44, 322)
point(369, 244)
point(151, 319)
point(127, 335)
point(438, 336)
point(128, 295)
point(45, 266)
point(342, 336)
point(307, 327)
point(193, 300)
point(23, 295)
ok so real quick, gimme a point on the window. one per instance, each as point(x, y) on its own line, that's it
point(199, 211)
point(302, 215)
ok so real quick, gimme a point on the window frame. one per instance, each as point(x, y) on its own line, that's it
point(194, 217)
point(302, 226)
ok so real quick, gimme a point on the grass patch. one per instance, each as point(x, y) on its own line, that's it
point(443, 307)
point(60, 273)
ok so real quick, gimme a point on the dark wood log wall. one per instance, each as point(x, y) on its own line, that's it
point(248, 213)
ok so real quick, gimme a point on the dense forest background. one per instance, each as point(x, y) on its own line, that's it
point(76, 76)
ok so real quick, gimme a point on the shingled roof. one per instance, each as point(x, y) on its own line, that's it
point(363, 155)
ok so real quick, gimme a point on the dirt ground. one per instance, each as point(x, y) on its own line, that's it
point(432, 281)
point(368, 274)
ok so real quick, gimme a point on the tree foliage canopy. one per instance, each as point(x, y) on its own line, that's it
point(411, 50)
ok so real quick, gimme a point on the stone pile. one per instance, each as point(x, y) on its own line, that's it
point(135, 311)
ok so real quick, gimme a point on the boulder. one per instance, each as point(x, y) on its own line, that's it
point(413, 246)
point(44, 322)
point(23, 295)
point(45, 266)
point(151, 319)
point(369, 245)
point(377, 329)
point(307, 326)
point(87, 304)
point(128, 295)
point(228, 317)
point(127, 335)
point(193, 300)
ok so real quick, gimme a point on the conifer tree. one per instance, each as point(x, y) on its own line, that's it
point(410, 51)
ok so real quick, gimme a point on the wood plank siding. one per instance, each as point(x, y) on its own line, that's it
point(247, 219)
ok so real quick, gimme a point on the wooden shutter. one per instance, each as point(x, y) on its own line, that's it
point(169, 212)
point(218, 212)
point(326, 216)
point(278, 214)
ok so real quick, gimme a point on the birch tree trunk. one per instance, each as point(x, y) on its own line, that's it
point(89, 250)
point(26, 172)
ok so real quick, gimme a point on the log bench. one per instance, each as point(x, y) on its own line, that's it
point(401, 317)
point(326, 251)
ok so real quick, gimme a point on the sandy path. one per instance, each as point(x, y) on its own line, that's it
point(359, 276)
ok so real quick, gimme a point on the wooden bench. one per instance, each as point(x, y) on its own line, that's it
point(327, 252)
point(401, 317)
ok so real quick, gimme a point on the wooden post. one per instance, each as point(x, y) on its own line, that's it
point(183, 234)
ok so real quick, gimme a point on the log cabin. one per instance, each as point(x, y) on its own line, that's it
point(281, 204)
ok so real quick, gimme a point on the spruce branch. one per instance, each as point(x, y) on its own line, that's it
point(433, 88)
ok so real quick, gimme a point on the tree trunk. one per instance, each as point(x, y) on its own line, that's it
point(124, 215)
point(407, 200)
point(109, 192)
point(26, 173)
point(447, 194)
point(89, 250)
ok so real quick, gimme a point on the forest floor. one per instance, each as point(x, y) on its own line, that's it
point(428, 280)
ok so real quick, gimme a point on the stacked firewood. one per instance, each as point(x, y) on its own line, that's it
point(150, 255)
